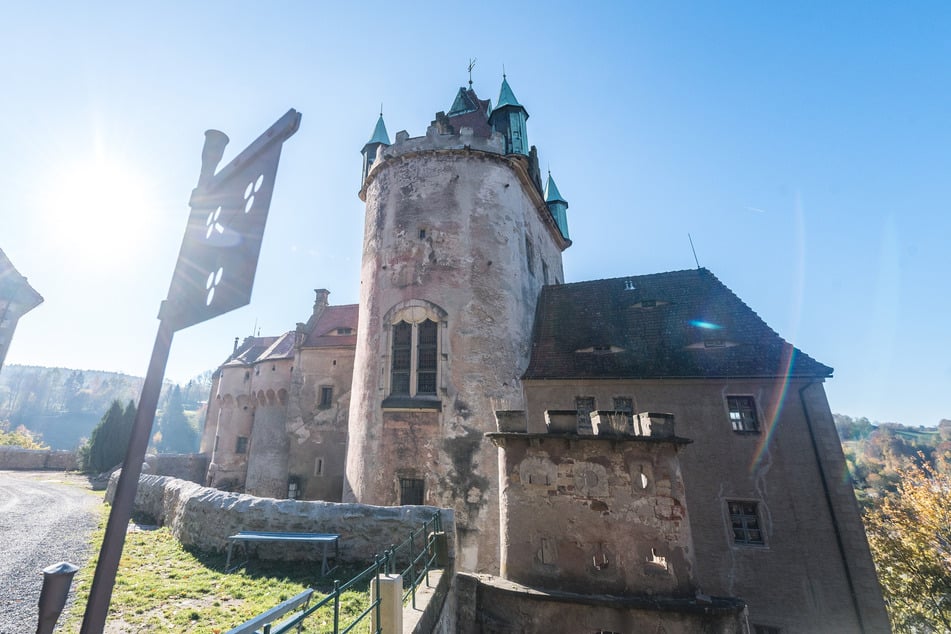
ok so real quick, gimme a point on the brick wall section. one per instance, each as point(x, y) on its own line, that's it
point(202, 517)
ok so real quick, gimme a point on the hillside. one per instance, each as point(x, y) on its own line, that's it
point(63, 405)
point(875, 452)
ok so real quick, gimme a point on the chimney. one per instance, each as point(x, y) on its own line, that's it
point(320, 302)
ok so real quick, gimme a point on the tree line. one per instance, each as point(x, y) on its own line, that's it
point(902, 479)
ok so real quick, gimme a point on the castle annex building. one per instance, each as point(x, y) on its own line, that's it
point(17, 298)
point(471, 376)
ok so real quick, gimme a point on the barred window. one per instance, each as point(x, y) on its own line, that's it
point(411, 491)
point(402, 357)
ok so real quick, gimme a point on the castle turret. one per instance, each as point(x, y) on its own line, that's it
point(557, 205)
point(458, 242)
point(379, 139)
point(508, 118)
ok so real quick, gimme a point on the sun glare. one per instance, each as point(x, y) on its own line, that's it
point(99, 210)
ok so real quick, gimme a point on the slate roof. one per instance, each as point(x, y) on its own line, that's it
point(322, 335)
point(680, 324)
point(251, 350)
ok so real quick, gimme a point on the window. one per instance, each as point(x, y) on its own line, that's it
point(584, 406)
point(411, 491)
point(766, 629)
point(623, 404)
point(744, 521)
point(415, 346)
point(742, 413)
point(326, 396)
point(242, 445)
point(318, 466)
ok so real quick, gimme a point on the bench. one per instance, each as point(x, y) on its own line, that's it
point(324, 539)
point(263, 622)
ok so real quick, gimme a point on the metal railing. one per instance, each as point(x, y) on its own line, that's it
point(413, 558)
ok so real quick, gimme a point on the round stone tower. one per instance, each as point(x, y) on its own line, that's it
point(458, 242)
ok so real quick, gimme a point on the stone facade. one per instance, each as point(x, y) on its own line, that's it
point(813, 571)
point(276, 424)
point(599, 514)
point(465, 327)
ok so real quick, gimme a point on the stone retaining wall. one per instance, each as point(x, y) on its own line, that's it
point(18, 458)
point(204, 518)
point(184, 466)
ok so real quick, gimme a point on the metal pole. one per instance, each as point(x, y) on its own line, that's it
point(101, 592)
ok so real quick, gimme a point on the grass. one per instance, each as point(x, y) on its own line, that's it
point(162, 586)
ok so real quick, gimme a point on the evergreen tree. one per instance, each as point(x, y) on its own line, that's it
point(175, 434)
point(110, 439)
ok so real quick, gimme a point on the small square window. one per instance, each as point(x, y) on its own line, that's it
point(326, 396)
point(623, 404)
point(744, 522)
point(242, 445)
point(318, 466)
point(742, 413)
point(411, 491)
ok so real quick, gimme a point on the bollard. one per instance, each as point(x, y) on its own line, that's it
point(391, 604)
point(56, 581)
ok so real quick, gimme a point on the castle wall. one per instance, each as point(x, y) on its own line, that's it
point(204, 518)
point(450, 232)
point(317, 435)
point(491, 605)
point(796, 580)
point(594, 515)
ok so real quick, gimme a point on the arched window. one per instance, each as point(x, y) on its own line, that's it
point(415, 350)
point(415, 358)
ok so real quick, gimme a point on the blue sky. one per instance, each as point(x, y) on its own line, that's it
point(805, 148)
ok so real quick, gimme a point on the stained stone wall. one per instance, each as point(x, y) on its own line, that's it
point(204, 518)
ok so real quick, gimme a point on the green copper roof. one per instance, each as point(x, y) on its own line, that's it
point(551, 192)
point(506, 96)
point(462, 104)
point(379, 133)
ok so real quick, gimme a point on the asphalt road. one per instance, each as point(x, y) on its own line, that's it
point(45, 517)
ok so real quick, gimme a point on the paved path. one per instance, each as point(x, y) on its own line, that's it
point(45, 517)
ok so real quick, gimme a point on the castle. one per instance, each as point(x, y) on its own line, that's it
point(467, 353)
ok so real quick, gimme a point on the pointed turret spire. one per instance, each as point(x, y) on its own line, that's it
point(557, 205)
point(508, 118)
point(379, 139)
point(379, 132)
point(507, 97)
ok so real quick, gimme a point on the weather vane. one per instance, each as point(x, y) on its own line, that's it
point(472, 62)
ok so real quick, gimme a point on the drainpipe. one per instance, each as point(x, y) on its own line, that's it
point(828, 497)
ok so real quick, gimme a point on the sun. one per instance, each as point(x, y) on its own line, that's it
point(99, 209)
